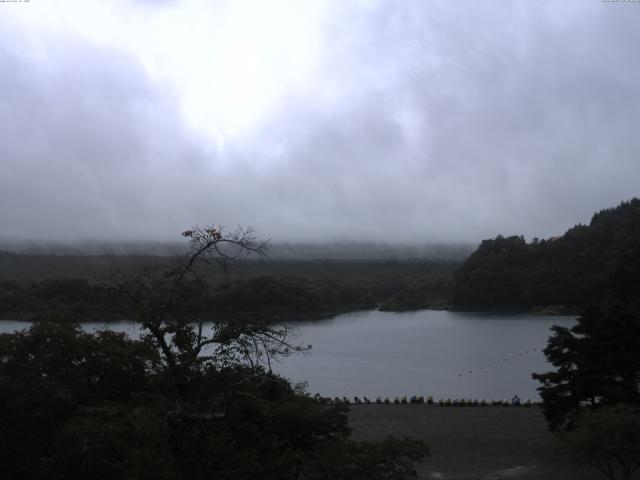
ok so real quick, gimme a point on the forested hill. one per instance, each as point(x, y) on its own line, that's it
point(588, 264)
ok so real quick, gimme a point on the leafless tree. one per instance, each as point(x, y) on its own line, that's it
point(180, 334)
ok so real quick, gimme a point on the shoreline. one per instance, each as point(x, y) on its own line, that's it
point(293, 317)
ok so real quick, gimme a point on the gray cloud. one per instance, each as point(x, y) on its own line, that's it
point(88, 143)
point(425, 121)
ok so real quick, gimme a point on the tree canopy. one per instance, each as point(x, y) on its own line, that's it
point(587, 265)
point(187, 400)
point(597, 364)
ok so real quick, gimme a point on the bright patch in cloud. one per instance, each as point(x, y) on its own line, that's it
point(230, 63)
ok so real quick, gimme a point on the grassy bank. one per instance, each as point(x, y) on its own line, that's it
point(479, 443)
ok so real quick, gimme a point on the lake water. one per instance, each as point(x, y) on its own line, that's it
point(427, 352)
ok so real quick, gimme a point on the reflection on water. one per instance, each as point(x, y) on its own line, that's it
point(439, 353)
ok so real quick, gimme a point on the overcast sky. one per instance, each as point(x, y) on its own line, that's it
point(408, 121)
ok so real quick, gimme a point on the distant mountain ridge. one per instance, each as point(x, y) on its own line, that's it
point(586, 265)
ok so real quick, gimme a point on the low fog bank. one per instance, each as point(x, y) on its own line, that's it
point(370, 251)
point(277, 250)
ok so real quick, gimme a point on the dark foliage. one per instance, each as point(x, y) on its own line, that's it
point(288, 295)
point(587, 265)
point(79, 405)
point(185, 401)
point(597, 362)
point(48, 373)
point(277, 294)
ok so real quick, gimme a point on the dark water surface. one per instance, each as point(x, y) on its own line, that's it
point(427, 352)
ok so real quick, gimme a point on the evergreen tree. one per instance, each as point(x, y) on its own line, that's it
point(597, 362)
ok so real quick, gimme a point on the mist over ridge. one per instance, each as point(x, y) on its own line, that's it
point(349, 251)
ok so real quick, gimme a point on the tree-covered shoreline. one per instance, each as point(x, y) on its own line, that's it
point(559, 276)
point(284, 290)
point(587, 265)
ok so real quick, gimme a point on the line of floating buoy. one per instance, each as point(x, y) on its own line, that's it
point(449, 402)
point(499, 362)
